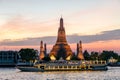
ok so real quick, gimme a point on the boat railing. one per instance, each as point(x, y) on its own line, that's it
point(91, 62)
point(95, 62)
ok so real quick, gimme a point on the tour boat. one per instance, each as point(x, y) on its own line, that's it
point(66, 66)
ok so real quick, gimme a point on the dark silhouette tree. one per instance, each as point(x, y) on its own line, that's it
point(86, 55)
point(105, 55)
point(46, 58)
point(28, 54)
point(119, 58)
point(74, 57)
point(94, 56)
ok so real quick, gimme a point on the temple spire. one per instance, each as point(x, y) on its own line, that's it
point(61, 33)
point(80, 54)
point(45, 49)
point(61, 22)
point(61, 48)
point(41, 55)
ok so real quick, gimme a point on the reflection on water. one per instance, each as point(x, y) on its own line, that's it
point(15, 74)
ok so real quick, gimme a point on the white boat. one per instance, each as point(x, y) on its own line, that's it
point(66, 66)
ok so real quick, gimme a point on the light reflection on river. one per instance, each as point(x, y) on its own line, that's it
point(14, 74)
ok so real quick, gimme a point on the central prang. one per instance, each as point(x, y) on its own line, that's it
point(61, 49)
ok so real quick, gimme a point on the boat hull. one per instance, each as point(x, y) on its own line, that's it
point(34, 69)
point(29, 69)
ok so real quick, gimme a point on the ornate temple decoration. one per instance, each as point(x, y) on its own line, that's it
point(61, 48)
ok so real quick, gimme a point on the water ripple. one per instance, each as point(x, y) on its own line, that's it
point(15, 74)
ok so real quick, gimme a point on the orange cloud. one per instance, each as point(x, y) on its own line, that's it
point(20, 27)
point(103, 45)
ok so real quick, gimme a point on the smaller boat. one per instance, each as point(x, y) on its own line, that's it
point(29, 69)
point(24, 64)
point(116, 64)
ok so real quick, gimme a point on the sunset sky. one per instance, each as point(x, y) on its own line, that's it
point(24, 23)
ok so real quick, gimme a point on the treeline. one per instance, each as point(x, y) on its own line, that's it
point(104, 55)
point(26, 54)
point(29, 54)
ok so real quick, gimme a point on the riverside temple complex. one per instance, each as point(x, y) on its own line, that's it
point(61, 57)
point(61, 49)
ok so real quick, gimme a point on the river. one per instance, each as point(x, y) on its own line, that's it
point(14, 74)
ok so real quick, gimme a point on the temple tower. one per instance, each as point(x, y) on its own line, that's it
point(61, 49)
point(41, 55)
point(61, 38)
point(45, 49)
point(80, 54)
point(77, 48)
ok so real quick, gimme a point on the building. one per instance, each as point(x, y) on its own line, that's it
point(112, 60)
point(8, 58)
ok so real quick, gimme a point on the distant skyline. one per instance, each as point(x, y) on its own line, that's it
point(24, 23)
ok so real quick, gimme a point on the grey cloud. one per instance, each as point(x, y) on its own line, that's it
point(104, 36)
